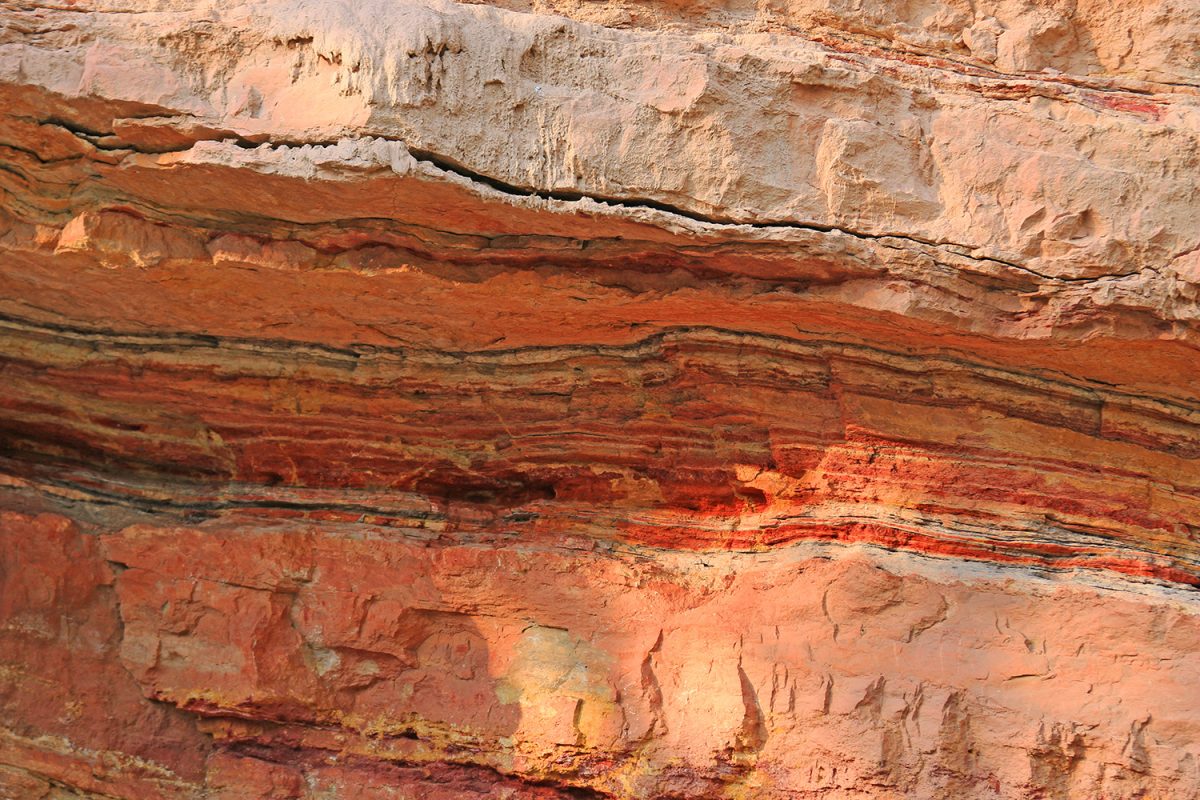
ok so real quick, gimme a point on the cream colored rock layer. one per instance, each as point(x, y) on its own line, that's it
point(263, 263)
point(1071, 178)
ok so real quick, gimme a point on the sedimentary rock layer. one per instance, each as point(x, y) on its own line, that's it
point(436, 400)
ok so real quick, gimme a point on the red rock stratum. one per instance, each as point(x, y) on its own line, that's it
point(559, 399)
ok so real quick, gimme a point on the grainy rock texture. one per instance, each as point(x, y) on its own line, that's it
point(561, 399)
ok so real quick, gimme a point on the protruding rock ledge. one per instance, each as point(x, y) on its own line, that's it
point(650, 400)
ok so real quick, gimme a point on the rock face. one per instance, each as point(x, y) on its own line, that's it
point(564, 399)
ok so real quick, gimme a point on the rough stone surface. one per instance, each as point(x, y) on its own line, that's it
point(560, 399)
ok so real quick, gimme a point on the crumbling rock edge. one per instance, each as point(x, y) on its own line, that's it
point(423, 399)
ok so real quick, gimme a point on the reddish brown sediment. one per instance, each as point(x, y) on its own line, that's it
point(545, 400)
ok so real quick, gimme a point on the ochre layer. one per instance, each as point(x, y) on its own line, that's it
point(628, 400)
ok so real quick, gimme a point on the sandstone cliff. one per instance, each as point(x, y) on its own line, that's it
point(552, 399)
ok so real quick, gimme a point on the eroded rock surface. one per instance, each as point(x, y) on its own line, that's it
point(569, 399)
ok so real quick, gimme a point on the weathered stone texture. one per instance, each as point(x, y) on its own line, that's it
point(567, 399)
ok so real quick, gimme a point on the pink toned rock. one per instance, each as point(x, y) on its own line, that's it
point(420, 399)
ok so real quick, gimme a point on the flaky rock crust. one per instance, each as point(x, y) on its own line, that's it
point(564, 399)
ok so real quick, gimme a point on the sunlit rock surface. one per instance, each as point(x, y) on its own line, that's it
point(617, 400)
